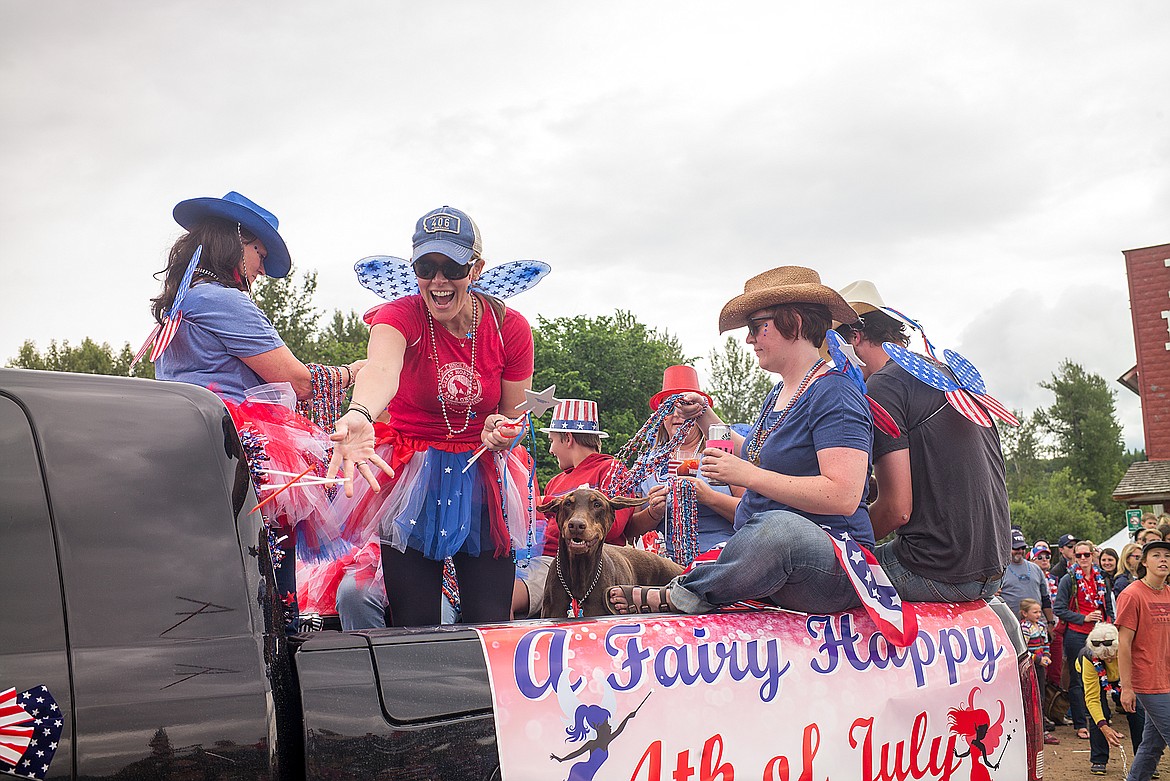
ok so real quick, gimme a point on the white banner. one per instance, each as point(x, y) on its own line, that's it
point(761, 695)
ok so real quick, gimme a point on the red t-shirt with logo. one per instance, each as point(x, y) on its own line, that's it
point(1147, 613)
point(503, 351)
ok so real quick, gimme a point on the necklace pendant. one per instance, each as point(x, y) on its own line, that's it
point(575, 610)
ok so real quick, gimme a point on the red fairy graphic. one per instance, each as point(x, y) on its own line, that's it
point(974, 726)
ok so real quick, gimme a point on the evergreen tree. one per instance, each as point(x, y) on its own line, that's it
point(1087, 435)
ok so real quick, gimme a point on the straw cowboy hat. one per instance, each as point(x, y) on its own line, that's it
point(863, 296)
point(783, 285)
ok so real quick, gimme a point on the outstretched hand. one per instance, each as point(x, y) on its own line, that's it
point(353, 450)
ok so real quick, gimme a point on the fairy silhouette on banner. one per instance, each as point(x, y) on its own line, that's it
point(591, 723)
point(974, 726)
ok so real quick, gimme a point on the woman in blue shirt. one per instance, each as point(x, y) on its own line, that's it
point(804, 464)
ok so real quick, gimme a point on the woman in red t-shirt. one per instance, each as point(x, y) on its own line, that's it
point(443, 364)
point(1082, 600)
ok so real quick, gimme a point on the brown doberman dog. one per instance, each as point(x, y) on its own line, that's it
point(585, 566)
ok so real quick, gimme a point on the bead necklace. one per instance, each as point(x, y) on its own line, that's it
point(682, 520)
point(324, 405)
point(472, 334)
point(203, 272)
point(1094, 596)
point(576, 606)
point(759, 433)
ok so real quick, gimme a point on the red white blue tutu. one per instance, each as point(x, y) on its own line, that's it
point(433, 506)
point(276, 438)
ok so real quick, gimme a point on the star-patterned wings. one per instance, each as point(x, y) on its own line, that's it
point(836, 346)
point(960, 392)
point(392, 278)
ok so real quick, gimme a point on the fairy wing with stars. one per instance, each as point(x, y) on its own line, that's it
point(392, 278)
point(836, 346)
point(971, 404)
point(972, 381)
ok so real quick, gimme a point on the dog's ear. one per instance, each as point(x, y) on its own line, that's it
point(552, 505)
point(622, 502)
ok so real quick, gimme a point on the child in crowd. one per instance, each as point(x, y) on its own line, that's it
point(1035, 631)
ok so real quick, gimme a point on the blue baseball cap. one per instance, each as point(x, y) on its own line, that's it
point(257, 220)
point(449, 232)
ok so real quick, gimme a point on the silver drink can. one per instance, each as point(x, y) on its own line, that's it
point(719, 437)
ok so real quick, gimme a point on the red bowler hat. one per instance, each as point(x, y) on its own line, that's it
point(678, 379)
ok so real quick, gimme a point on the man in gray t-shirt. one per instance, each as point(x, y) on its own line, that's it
point(941, 484)
point(1024, 580)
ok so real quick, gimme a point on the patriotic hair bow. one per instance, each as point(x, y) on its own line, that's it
point(837, 347)
point(966, 392)
point(163, 333)
point(392, 278)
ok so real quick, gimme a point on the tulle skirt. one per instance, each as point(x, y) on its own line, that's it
point(433, 506)
point(276, 438)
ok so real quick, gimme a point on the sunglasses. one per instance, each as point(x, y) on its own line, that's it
point(754, 324)
point(1044, 555)
point(1105, 643)
point(425, 268)
point(1084, 555)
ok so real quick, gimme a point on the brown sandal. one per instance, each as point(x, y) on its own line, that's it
point(642, 605)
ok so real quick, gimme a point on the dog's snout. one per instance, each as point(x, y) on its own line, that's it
point(575, 526)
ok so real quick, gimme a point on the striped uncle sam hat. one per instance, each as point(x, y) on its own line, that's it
point(575, 416)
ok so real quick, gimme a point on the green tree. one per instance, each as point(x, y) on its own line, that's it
point(1058, 504)
point(613, 360)
point(343, 340)
point(738, 384)
point(87, 358)
point(1083, 423)
point(1024, 454)
point(289, 305)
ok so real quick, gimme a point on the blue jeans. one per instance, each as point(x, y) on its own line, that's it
point(777, 556)
point(364, 608)
point(913, 587)
point(1154, 738)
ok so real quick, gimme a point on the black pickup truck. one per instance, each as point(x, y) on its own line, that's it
point(138, 590)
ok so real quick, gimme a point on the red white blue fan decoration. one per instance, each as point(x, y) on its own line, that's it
point(966, 392)
point(836, 344)
point(30, 731)
point(162, 334)
point(392, 278)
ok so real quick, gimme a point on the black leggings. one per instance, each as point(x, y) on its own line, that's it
point(414, 587)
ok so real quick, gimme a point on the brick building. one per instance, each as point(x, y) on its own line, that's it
point(1148, 272)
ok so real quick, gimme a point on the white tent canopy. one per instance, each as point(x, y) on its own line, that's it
point(1117, 541)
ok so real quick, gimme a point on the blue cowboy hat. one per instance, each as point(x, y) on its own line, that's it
point(234, 207)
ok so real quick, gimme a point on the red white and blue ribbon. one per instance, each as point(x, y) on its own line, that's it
point(30, 731)
point(392, 278)
point(896, 620)
point(162, 334)
point(836, 344)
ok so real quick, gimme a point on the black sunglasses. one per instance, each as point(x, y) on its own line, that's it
point(1084, 555)
point(1044, 555)
point(754, 324)
point(425, 268)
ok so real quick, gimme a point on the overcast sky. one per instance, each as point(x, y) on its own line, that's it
point(985, 163)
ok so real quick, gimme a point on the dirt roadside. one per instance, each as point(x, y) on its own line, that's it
point(1070, 760)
